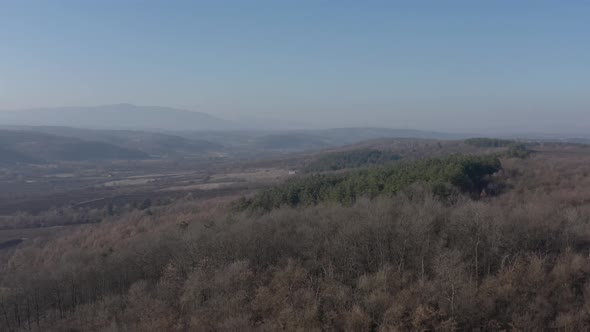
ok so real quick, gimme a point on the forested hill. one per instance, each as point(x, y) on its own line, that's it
point(458, 172)
point(34, 147)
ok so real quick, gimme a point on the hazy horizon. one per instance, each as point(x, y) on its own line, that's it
point(276, 124)
point(456, 67)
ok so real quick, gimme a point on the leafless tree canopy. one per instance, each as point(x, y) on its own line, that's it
point(511, 259)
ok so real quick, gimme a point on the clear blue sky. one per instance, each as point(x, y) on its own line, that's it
point(423, 64)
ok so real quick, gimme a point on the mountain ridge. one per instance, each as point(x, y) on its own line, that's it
point(116, 116)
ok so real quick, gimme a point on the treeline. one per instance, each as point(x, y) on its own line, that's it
point(515, 149)
point(350, 159)
point(484, 142)
point(54, 217)
point(72, 215)
point(468, 174)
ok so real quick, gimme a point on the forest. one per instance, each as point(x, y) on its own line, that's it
point(504, 247)
point(465, 173)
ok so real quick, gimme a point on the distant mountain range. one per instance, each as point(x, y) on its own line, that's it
point(49, 144)
point(127, 132)
point(117, 116)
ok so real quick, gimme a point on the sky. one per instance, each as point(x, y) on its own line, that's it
point(444, 65)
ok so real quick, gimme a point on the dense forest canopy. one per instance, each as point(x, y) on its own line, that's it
point(465, 173)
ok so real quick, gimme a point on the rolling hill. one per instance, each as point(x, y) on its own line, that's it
point(34, 147)
point(11, 157)
point(152, 143)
